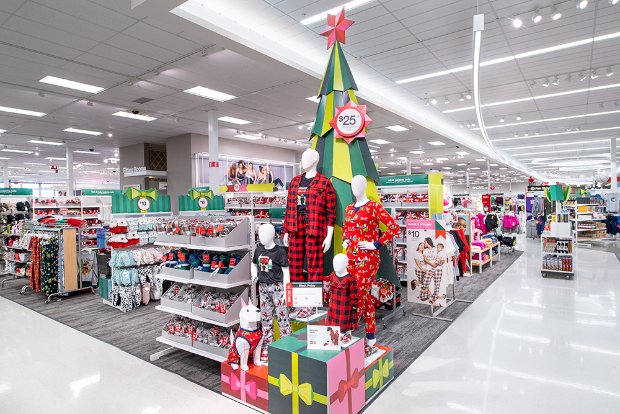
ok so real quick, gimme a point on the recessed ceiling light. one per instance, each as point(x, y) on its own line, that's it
point(89, 163)
point(433, 101)
point(417, 152)
point(209, 93)
point(21, 111)
point(609, 72)
point(87, 152)
point(461, 165)
point(561, 118)
point(380, 141)
point(83, 131)
point(38, 141)
point(447, 168)
point(556, 81)
point(462, 153)
point(248, 136)
point(233, 120)
point(56, 158)
point(537, 17)
point(555, 14)
point(139, 117)
point(510, 58)
point(427, 163)
point(65, 83)
point(16, 151)
point(517, 22)
point(582, 4)
point(474, 168)
point(468, 95)
point(397, 128)
point(110, 135)
point(446, 100)
point(321, 16)
point(436, 143)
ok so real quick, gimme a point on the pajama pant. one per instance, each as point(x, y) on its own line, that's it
point(436, 275)
point(431, 275)
point(301, 244)
point(365, 271)
point(273, 300)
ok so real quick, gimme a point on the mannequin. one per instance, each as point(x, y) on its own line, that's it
point(362, 241)
point(270, 270)
point(343, 298)
point(309, 221)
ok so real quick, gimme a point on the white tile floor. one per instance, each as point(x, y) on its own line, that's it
point(527, 345)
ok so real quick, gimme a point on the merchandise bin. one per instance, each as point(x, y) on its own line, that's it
point(240, 273)
point(223, 352)
point(173, 238)
point(182, 306)
point(232, 313)
point(183, 340)
point(239, 236)
point(249, 387)
point(186, 274)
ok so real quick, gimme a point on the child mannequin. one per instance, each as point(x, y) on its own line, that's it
point(270, 269)
point(343, 297)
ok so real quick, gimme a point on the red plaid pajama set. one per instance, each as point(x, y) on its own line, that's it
point(343, 298)
point(362, 224)
point(307, 231)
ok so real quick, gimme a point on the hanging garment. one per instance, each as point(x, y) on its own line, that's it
point(362, 224)
point(35, 263)
point(49, 266)
point(343, 301)
point(491, 222)
point(308, 230)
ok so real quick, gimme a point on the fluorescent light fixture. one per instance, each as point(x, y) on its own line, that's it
point(65, 83)
point(433, 101)
point(613, 2)
point(480, 159)
point(609, 72)
point(462, 153)
point(504, 59)
point(561, 118)
point(552, 134)
point(314, 99)
point(447, 168)
point(4, 158)
point(83, 131)
point(373, 151)
point(436, 143)
point(16, 151)
point(503, 168)
point(474, 168)
point(87, 152)
point(461, 165)
point(55, 158)
point(89, 163)
point(397, 128)
point(493, 165)
point(321, 16)
point(248, 136)
point(139, 117)
point(21, 111)
point(427, 163)
point(537, 17)
point(38, 141)
point(442, 159)
point(380, 141)
point(232, 120)
point(557, 144)
point(2, 131)
point(209, 93)
point(417, 152)
point(557, 151)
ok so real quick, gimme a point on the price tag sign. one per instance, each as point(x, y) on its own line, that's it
point(203, 203)
point(306, 295)
point(143, 204)
point(350, 122)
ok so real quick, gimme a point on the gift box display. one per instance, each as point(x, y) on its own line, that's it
point(303, 381)
point(221, 305)
point(379, 371)
point(249, 387)
point(180, 297)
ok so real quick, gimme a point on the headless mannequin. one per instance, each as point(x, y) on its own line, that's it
point(309, 161)
point(340, 263)
point(358, 187)
point(266, 236)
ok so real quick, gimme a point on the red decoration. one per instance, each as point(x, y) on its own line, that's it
point(336, 28)
point(531, 180)
point(350, 122)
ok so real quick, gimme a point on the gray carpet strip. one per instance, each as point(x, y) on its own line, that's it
point(135, 332)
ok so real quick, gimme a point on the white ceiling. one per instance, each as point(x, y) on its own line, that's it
point(136, 54)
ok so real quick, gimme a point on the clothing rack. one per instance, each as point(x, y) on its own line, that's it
point(68, 261)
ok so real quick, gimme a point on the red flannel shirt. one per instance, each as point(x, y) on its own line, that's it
point(320, 206)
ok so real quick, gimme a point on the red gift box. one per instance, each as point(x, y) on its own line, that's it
point(250, 387)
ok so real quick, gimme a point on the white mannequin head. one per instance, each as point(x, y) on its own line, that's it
point(341, 262)
point(266, 234)
point(358, 186)
point(309, 159)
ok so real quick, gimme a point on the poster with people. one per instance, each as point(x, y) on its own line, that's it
point(429, 263)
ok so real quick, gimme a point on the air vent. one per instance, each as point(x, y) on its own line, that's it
point(142, 100)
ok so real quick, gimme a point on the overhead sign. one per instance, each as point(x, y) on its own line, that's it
point(99, 192)
point(16, 191)
point(396, 180)
point(142, 172)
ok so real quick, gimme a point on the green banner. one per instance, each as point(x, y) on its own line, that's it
point(396, 180)
point(100, 192)
point(186, 203)
point(15, 191)
point(145, 201)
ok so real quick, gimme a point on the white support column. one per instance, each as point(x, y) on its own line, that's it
point(614, 166)
point(408, 166)
point(70, 181)
point(467, 181)
point(214, 152)
point(488, 176)
point(5, 172)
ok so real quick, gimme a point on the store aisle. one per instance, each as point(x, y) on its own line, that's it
point(47, 367)
point(527, 345)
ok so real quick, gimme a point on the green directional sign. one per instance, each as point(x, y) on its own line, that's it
point(16, 191)
point(100, 192)
point(404, 180)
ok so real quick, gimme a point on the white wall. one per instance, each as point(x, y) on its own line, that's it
point(200, 143)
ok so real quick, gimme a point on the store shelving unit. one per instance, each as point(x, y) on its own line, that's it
point(237, 241)
point(83, 207)
point(558, 255)
point(588, 222)
point(480, 263)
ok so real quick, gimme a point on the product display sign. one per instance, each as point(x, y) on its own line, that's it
point(15, 191)
point(350, 122)
point(304, 294)
point(428, 256)
point(200, 199)
point(100, 192)
point(140, 201)
point(396, 180)
point(324, 337)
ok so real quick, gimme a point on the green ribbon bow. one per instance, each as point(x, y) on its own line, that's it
point(194, 194)
point(133, 193)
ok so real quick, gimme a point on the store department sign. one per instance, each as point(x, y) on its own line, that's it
point(15, 191)
point(99, 192)
point(142, 172)
point(134, 170)
point(395, 180)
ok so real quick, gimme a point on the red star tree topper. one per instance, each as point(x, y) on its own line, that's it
point(337, 25)
point(350, 122)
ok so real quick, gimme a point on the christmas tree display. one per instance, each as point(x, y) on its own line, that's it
point(339, 136)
